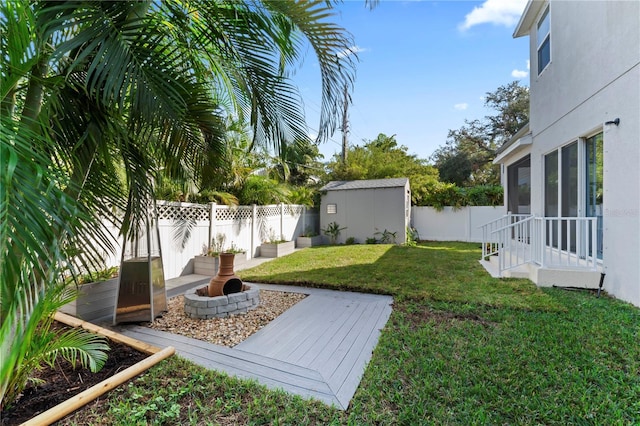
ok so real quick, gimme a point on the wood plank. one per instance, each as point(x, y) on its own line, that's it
point(303, 318)
point(318, 349)
point(324, 348)
point(308, 320)
point(346, 378)
point(269, 372)
point(310, 345)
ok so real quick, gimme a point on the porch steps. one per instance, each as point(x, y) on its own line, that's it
point(546, 277)
point(492, 267)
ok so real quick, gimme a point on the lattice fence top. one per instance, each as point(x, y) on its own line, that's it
point(182, 211)
point(268, 211)
point(239, 213)
point(200, 212)
point(293, 210)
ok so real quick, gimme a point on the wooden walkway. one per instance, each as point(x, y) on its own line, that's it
point(318, 349)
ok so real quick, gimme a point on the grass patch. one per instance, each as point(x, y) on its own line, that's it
point(435, 271)
point(460, 348)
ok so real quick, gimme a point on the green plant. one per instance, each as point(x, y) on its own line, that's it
point(350, 241)
point(233, 249)
point(96, 276)
point(217, 245)
point(371, 240)
point(386, 237)
point(412, 236)
point(309, 231)
point(333, 231)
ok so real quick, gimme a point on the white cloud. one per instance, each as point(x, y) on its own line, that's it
point(496, 12)
point(351, 51)
point(519, 74)
point(461, 106)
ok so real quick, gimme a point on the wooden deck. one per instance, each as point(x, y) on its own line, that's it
point(318, 349)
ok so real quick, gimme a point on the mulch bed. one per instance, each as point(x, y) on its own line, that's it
point(63, 382)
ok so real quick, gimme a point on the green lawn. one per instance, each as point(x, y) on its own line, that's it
point(460, 348)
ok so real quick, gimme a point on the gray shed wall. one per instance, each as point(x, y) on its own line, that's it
point(367, 211)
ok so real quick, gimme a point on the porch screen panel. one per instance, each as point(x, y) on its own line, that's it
point(594, 175)
point(569, 195)
point(519, 186)
point(551, 196)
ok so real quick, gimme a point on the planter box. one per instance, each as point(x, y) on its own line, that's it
point(208, 265)
point(308, 241)
point(277, 250)
point(95, 301)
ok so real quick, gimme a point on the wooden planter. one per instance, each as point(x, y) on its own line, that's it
point(208, 265)
point(277, 249)
point(95, 301)
point(308, 241)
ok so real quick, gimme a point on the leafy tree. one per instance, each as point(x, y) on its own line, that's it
point(466, 159)
point(96, 98)
point(383, 158)
point(297, 163)
point(262, 190)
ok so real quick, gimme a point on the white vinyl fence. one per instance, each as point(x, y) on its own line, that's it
point(186, 229)
point(449, 224)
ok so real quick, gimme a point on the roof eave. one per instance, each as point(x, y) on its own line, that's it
point(528, 17)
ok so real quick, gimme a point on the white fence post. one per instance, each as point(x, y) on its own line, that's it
point(254, 217)
point(282, 221)
point(212, 223)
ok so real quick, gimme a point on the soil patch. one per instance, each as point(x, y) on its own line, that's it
point(63, 382)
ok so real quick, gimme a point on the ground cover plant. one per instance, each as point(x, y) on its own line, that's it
point(460, 348)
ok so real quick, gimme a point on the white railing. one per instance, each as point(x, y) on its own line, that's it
point(514, 243)
point(491, 240)
point(558, 242)
point(566, 242)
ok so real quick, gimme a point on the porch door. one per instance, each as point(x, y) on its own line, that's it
point(519, 186)
point(594, 184)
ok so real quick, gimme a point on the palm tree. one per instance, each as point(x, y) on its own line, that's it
point(96, 97)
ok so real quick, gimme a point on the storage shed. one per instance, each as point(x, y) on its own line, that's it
point(367, 207)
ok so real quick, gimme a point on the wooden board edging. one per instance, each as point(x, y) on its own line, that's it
point(70, 405)
point(59, 411)
point(112, 335)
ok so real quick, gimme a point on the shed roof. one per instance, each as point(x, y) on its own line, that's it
point(339, 185)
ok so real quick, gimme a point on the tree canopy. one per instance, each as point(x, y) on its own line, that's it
point(466, 159)
point(100, 99)
point(383, 158)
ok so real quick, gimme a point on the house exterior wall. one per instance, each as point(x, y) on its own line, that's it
point(366, 211)
point(594, 77)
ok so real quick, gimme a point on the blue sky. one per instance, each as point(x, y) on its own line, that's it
point(424, 67)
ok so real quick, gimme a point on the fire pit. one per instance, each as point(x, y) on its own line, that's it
point(226, 282)
point(205, 307)
point(225, 295)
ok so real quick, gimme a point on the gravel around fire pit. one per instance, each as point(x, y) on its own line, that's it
point(227, 331)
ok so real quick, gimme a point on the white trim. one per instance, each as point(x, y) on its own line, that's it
point(523, 141)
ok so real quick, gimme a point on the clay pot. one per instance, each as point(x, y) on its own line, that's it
point(226, 282)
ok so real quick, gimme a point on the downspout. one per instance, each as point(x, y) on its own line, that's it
point(602, 274)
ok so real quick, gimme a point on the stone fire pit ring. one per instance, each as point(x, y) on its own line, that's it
point(204, 307)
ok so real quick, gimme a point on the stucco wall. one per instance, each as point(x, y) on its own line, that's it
point(594, 77)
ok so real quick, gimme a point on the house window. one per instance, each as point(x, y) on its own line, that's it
point(544, 41)
point(573, 187)
point(332, 208)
